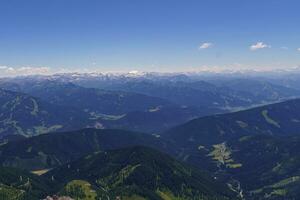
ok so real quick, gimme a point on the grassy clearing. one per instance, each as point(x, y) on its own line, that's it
point(40, 172)
point(222, 155)
point(79, 189)
point(269, 119)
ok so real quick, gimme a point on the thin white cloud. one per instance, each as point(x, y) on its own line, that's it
point(24, 71)
point(3, 67)
point(259, 45)
point(206, 45)
point(133, 72)
point(298, 49)
point(284, 48)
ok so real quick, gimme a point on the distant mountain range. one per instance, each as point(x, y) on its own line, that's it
point(26, 115)
point(90, 99)
point(59, 110)
point(148, 103)
point(215, 139)
point(184, 89)
point(254, 151)
point(225, 95)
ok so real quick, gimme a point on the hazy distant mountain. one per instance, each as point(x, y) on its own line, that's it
point(200, 93)
point(89, 99)
point(289, 80)
point(26, 115)
point(223, 92)
point(66, 102)
point(261, 90)
point(119, 94)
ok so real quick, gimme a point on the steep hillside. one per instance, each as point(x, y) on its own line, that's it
point(50, 150)
point(136, 173)
point(255, 151)
point(257, 166)
point(266, 166)
point(158, 119)
point(281, 119)
point(21, 185)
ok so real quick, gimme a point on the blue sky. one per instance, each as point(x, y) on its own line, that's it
point(148, 35)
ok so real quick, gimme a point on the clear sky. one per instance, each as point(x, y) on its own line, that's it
point(148, 35)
